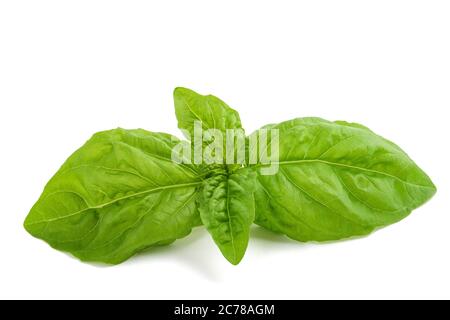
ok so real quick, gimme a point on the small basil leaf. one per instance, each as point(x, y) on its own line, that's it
point(337, 180)
point(227, 210)
point(117, 195)
point(210, 110)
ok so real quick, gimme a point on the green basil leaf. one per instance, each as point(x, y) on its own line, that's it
point(227, 210)
point(337, 180)
point(118, 194)
point(210, 110)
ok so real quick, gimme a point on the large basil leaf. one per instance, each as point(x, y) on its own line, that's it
point(210, 110)
point(118, 194)
point(227, 210)
point(337, 180)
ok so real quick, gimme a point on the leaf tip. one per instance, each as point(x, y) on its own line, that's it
point(234, 262)
point(30, 226)
point(182, 91)
point(235, 256)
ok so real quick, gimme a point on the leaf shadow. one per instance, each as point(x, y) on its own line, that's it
point(187, 251)
point(262, 234)
point(190, 251)
point(265, 239)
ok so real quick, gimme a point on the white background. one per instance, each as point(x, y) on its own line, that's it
point(71, 68)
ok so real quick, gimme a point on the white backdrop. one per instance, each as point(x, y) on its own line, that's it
point(71, 68)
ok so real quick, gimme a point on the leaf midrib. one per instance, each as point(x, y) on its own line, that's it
point(337, 164)
point(229, 221)
point(99, 206)
point(193, 112)
point(137, 223)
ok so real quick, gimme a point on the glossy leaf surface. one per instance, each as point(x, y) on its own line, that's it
point(227, 210)
point(117, 195)
point(337, 180)
point(212, 112)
